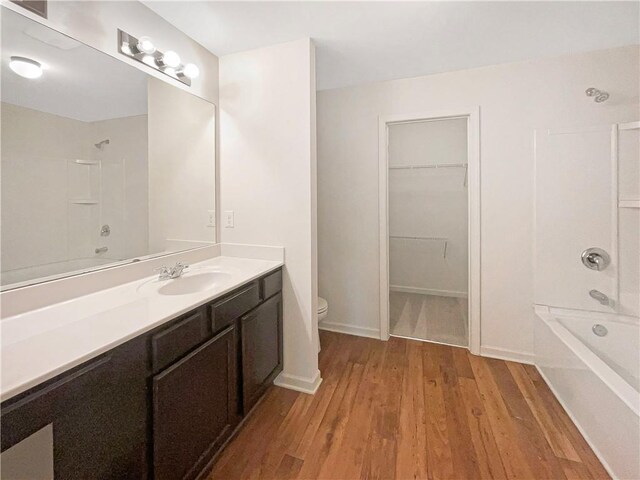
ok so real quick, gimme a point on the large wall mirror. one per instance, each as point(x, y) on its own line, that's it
point(101, 164)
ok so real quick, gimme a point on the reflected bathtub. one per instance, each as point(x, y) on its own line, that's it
point(596, 379)
point(51, 271)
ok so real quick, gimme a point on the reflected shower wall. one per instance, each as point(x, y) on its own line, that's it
point(59, 191)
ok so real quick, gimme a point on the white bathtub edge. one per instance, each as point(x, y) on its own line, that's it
point(582, 431)
point(619, 387)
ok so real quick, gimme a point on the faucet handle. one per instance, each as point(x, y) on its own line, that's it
point(164, 272)
point(180, 267)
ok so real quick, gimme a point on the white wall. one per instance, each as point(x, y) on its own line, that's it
point(181, 166)
point(428, 202)
point(514, 100)
point(267, 172)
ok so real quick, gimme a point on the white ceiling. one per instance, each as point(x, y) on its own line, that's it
point(79, 82)
point(362, 42)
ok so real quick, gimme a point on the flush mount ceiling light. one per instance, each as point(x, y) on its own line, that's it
point(26, 67)
point(143, 50)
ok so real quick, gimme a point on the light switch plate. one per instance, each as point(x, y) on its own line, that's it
point(228, 219)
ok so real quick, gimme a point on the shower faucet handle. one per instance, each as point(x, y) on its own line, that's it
point(595, 259)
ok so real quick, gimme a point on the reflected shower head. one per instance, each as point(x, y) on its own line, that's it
point(599, 95)
point(100, 145)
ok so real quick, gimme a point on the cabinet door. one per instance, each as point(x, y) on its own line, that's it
point(99, 416)
point(194, 408)
point(261, 333)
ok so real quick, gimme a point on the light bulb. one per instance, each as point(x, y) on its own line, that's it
point(25, 67)
point(171, 59)
point(145, 45)
point(126, 48)
point(191, 70)
point(149, 60)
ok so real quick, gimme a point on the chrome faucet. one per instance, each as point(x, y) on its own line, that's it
point(171, 272)
point(601, 297)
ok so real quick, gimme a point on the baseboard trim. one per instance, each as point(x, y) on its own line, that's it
point(350, 329)
point(428, 291)
point(299, 384)
point(505, 354)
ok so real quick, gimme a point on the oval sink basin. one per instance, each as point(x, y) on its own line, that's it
point(193, 283)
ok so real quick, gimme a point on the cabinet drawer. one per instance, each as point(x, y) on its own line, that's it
point(271, 284)
point(224, 312)
point(170, 344)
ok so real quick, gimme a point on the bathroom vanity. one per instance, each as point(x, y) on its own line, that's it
point(163, 403)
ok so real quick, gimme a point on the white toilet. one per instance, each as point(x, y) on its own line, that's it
point(323, 310)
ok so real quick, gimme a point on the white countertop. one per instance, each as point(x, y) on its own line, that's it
point(40, 344)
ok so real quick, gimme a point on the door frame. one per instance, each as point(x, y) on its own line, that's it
point(472, 114)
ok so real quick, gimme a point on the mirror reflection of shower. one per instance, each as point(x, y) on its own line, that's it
point(100, 145)
point(599, 96)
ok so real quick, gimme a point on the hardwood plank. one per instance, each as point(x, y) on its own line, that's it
point(410, 410)
point(288, 468)
point(484, 444)
point(411, 461)
point(558, 441)
point(504, 429)
point(464, 458)
point(379, 459)
point(557, 412)
point(533, 444)
point(352, 447)
point(325, 447)
point(439, 456)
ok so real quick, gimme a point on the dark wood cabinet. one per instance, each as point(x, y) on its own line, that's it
point(163, 404)
point(99, 417)
point(261, 333)
point(194, 408)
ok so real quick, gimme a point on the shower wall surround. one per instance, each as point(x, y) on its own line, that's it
point(57, 192)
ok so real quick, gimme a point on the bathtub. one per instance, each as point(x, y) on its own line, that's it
point(596, 379)
point(51, 271)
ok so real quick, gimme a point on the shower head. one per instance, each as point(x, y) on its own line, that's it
point(599, 95)
point(100, 145)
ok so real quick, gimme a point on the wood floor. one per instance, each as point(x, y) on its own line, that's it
point(429, 317)
point(405, 409)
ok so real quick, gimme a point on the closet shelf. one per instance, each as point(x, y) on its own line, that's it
point(629, 202)
point(86, 162)
point(441, 239)
point(435, 165)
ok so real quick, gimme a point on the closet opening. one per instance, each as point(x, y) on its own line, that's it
point(429, 229)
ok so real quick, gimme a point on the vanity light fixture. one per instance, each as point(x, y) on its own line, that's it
point(190, 70)
point(26, 67)
point(143, 50)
